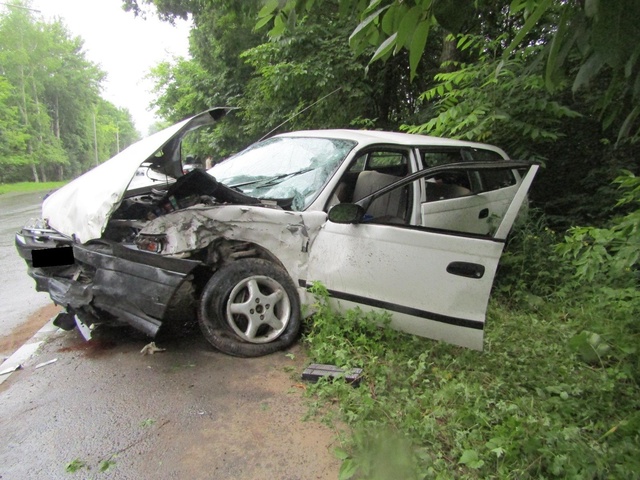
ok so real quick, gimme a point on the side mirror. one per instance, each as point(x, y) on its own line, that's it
point(346, 213)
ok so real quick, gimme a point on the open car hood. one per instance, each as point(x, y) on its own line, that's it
point(81, 209)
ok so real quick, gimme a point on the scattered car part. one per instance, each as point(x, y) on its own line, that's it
point(151, 348)
point(316, 371)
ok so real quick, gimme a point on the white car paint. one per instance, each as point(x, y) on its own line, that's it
point(82, 207)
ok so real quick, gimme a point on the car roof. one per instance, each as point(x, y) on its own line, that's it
point(371, 137)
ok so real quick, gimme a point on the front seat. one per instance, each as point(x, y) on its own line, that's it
point(389, 208)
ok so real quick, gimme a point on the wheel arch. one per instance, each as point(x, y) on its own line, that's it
point(224, 251)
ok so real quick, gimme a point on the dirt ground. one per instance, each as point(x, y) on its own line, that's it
point(188, 412)
point(14, 339)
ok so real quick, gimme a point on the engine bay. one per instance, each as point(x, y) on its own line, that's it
point(143, 205)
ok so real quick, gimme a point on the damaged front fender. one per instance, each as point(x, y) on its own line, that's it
point(285, 234)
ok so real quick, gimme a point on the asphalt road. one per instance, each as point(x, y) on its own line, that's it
point(187, 412)
point(18, 297)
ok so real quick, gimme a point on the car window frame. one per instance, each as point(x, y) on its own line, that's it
point(413, 166)
point(421, 175)
point(477, 181)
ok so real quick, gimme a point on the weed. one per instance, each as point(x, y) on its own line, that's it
point(74, 465)
point(106, 465)
point(147, 422)
point(528, 407)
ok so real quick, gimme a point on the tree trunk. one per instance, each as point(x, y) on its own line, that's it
point(56, 120)
point(34, 171)
point(25, 118)
point(43, 173)
point(38, 125)
point(450, 53)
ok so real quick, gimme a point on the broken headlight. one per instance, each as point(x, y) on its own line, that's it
point(151, 243)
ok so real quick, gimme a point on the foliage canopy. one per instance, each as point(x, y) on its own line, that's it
point(52, 119)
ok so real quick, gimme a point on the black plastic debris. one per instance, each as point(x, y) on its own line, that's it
point(315, 371)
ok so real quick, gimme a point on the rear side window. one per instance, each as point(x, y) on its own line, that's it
point(496, 179)
point(431, 158)
point(476, 182)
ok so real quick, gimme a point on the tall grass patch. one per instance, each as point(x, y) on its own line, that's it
point(29, 187)
point(555, 393)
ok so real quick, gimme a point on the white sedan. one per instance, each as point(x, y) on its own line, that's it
point(410, 224)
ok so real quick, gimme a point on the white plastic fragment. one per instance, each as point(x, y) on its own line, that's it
point(151, 348)
point(44, 364)
point(83, 328)
point(11, 369)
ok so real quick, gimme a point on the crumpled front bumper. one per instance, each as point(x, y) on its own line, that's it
point(135, 287)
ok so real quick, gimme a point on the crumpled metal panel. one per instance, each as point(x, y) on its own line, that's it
point(82, 208)
point(287, 235)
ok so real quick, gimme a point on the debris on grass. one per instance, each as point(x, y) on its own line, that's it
point(315, 371)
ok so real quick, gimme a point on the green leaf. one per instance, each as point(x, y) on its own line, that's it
point(407, 27)
point(366, 23)
point(557, 54)
point(528, 26)
point(372, 5)
point(147, 422)
point(347, 469)
point(589, 346)
point(470, 459)
point(388, 21)
point(74, 465)
point(341, 454)
point(263, 21)
point(105, 465)
point(278, 26)
point(418, 43)
point(268, 9)
point(384, 48)
point(628, 122)
point(589, 69)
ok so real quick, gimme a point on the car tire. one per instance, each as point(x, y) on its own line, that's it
point(250, 308)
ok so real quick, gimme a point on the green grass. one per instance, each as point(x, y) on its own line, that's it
point(529, 406)
point(21, 187)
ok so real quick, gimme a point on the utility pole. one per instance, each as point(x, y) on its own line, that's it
point(95, 137)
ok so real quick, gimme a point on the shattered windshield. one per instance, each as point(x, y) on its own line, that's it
point(284, 167)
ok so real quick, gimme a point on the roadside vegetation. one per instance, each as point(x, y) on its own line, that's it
point(20, 187)
point(54, 123)
point(555, 394)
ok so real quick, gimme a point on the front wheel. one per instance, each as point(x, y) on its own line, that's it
point(250, 308)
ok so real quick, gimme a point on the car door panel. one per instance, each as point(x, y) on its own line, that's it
point(404, 271)
point(435, 284)
point(476, 213)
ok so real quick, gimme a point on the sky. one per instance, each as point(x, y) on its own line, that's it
point(124, 46)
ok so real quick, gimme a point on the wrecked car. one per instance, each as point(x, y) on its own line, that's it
point(410, 224)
